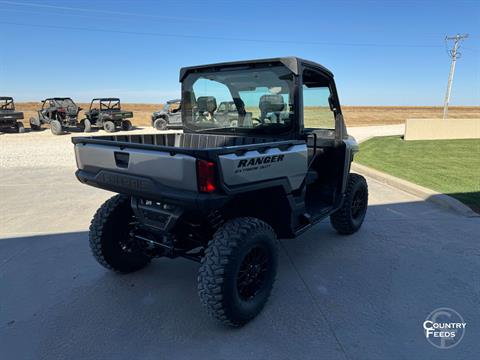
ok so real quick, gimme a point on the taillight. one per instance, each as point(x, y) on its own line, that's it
point(206, 176)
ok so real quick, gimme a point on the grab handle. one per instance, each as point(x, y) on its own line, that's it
point(121, 159)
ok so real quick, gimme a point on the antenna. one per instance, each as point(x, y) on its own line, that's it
point(454, 54)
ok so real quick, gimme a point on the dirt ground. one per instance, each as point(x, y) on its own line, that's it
point(354, 115)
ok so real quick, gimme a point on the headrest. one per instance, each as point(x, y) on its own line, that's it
point(271, 103)
point(206, 104)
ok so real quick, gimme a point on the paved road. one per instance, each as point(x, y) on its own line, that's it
point(359, 297)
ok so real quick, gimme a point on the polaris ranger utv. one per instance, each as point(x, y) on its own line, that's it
point(9, 118)
point(169, 117)
point(59, 112)
point(222, 195)
point(108, 114)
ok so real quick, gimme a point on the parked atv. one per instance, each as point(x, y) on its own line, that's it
point(9, 118)
point(221, 195)
point(169, 117)
point(60, 113)
point(107, 113)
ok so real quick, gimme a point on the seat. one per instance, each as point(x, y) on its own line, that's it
point(206, 105)
point(271, 103)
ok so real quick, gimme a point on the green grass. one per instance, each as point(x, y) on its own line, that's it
point(451, 167)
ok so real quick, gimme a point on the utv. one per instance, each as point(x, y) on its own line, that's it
point(170, 116)
point(108, 114)
point(9, 118)
point(226, 113)
point(60, 113)
point(222, 195)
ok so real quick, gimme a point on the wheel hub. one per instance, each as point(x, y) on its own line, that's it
point(252, 272)
point(358, 204)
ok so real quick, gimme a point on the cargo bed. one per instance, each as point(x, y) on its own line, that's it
point(160, 166)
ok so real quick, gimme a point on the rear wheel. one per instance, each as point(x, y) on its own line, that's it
point(56, 127)
point(34, 124)
point(238, 270)
point(349, 218)
point(160, 124)
point(20, 127)
point(127, 125)
point(110, 240)
point(109, 126)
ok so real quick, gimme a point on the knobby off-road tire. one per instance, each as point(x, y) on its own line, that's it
point(349, 218)
point(229, 287)
point(109, 126)
point(20, 128)
point(127, 125)
point(110, 237)
point(56, 127)
point(85, 125)
point(160, 124)
point(34, 124)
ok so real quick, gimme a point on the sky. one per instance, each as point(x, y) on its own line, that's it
point(389, 52)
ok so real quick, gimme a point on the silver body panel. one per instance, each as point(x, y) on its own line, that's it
point(274, 163)
point(177, 171)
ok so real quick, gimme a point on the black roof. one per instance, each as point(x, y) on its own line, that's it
point(6, 98)
point(58, 98)
point(106, 99)
point(291, 62)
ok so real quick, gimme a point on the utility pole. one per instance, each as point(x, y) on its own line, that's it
point(454, 55)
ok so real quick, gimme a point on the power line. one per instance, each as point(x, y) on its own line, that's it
point(108, 12)
point(188, 36)
point(454, 54)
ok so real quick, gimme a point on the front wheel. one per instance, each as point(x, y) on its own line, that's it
point(160, 124)
point(110, 237)
point(238, 270)
point(127, 125)
point(349, 218)
point(56, 127)
point(34, 124)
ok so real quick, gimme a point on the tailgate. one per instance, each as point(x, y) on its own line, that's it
point(9, 116)
point(123, 168)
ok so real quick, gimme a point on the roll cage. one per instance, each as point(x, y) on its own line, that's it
point(57, 102)
point(297, 67)
point(6, 103)
point(105, 104)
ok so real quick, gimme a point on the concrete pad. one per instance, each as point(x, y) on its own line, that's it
point(363, 296)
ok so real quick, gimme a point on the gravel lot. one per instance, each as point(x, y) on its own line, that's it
point(41, 148)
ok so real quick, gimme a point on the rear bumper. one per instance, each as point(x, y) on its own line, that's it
point(148, 189)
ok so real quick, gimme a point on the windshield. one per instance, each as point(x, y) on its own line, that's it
point(7, 104)
point(110, 104)
point(261, 98)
